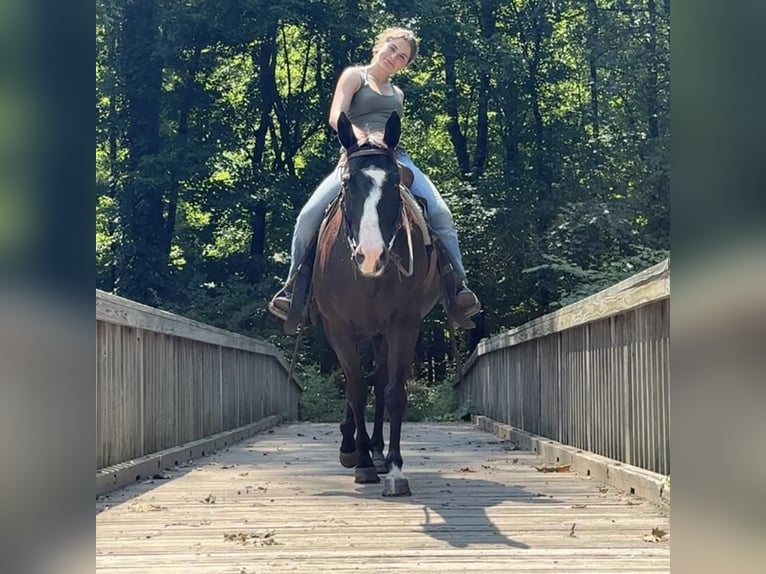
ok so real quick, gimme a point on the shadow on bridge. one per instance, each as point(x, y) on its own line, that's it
point(455, 509)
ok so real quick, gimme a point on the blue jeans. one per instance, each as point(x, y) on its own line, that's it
point(440, 218)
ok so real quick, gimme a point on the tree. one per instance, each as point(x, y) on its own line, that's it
point(545, 125)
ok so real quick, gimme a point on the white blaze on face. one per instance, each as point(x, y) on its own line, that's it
point(370, 239)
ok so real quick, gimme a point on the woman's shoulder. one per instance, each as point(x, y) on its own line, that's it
point(353, 72)
point(351, 78)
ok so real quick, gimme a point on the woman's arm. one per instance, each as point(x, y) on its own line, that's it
point(348, 84)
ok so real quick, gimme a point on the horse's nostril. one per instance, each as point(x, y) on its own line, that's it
point(383, 258)
point(358, 258)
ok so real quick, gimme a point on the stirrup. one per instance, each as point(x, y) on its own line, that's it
point(281, 303)
point(471, 308)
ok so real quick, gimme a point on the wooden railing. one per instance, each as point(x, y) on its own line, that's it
point(163, 380)
point(593, 375)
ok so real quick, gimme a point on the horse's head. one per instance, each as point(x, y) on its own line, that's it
point(371, 200)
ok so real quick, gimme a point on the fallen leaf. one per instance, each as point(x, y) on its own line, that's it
point(209, 499)
point(254, 538)
point(657, 535)
point(145, 507)
point(467, 469)
point(552, 467)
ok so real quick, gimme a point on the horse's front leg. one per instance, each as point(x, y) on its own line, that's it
point(401, 350)
point(348, 454)
point(380, 380)
point(356, 398)
point(356, 389)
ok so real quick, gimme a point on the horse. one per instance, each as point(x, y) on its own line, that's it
point(374, 279)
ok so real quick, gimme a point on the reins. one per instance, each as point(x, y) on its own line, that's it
point(395, 257)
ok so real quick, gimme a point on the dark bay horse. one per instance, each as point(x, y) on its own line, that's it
point(374, 280)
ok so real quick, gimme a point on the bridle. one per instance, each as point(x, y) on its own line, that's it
point(401, 220)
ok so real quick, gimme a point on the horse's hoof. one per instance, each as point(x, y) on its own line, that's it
point(380, 464)
point(366, 475)
point(349, 459)
point(396, 487)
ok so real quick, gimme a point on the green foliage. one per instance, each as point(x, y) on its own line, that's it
point(431, 402)
point(322, 400)
point(545, 125)
point(577, 283)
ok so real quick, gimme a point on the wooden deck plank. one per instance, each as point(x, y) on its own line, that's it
point(477, 506)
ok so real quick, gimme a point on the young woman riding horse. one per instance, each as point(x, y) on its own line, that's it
point(367, 96)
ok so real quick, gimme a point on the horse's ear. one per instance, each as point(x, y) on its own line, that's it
point(345, 131)
point(393, 130)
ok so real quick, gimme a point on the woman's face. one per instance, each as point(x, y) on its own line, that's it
point(394, 55)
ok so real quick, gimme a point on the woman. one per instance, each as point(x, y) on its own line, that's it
point(367, 96)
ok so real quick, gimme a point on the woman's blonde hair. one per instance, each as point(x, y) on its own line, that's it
point(394, 34)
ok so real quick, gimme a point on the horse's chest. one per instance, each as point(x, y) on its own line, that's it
point(372, 303)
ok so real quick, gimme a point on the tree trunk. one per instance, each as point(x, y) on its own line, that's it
point(182, 141)
point(482, 129)
point(593, 53)
point(652, 106)
point(545, 208)
point(453, 125)
point(113, 160)
point(487, 22)
point(265, 60)
point(141, 263)
point(257, 241)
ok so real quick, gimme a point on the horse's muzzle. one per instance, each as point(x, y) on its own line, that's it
point(371, 269)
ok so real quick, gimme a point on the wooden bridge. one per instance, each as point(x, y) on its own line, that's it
point(201, 467)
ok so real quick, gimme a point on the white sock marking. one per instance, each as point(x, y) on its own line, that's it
point(395, 472)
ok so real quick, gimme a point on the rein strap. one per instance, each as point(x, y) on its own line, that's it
point(395, 258)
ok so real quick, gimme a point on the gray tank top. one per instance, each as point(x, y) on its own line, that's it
point(370, 110)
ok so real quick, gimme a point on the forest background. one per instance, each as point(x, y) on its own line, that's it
point(545, 124)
